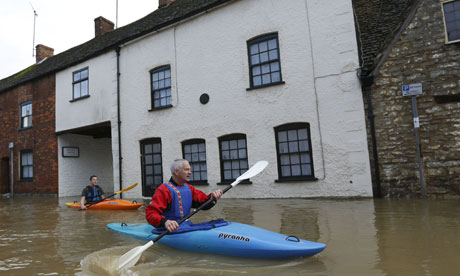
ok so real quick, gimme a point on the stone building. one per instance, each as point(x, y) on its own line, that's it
point(411, 42)
point(28, 144)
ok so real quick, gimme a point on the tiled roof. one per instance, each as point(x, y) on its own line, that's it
point(377, 23)
point(160, 18)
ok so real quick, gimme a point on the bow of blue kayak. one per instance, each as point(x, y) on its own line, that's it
point(235, 239)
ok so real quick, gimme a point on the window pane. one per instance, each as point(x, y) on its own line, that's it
point(285, 170)
point(157, 169)
point(276, 77)
point(158, 180)
point(156, 148)
point(227, 166)
point(255, 59)
point(202, 156)
point(233, 144)
point(148, 159)
point(306, 170)
point(293, 147)
point(282, 136)
point(225, 155)
point(76, 90)
point(31, 171)
point(284, 160)
point(149, 170)
point(194, 157)
point(275, 66)
point(302, 134)
point(292, 135)
point(242, 153)
point(254, 49)
point(272, 44)
point(84, 74)
point(225, 145)
point(84, 88)
point(244, 165)
point(235, 164)
point(187, 149)
point(188, 157)
point(201, 147)
point(168, 73)
point(273, 54)
point(283, 147)
point(264, 57)
point(257, 80)
point(296, 170)
point(155, 77)
point(263, 46)
point(234, 154)
point(195, 148)
point(295, 159)
point(148, 148)
point(203, 167)
point(235, 174)
point(227, 174)
point(266, 78)
point(76, 76)
point(256, 70)
point(265, 68)
point(156, 158)
point(303, 145)
point(305, 158)
point(149, 180)
point(204, 176)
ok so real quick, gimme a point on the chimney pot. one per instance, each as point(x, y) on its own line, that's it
point(42, 51)
point(162, 3)
point(102, 26)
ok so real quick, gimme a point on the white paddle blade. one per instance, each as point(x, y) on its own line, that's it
point(130, 258)
point(253, 171)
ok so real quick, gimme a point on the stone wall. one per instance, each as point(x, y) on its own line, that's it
point(420, 56)
point(40, 137)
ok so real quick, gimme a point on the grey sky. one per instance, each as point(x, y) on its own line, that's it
point(60, 24)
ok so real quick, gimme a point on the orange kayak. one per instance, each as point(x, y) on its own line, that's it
point(112, 204)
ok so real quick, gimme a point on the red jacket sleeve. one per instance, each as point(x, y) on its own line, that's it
point(198, 196)
point(160, 201)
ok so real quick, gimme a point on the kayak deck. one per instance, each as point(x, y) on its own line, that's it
point(235, 239)
point(112, 204)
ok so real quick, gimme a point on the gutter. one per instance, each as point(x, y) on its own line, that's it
point(120, 158)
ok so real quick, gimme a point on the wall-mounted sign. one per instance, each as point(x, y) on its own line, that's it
point(70, 152)
point(412, 89)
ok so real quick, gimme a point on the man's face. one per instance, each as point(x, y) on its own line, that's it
point(94, 181)
point(183, 174)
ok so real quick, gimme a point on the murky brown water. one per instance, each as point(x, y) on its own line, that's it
point(42, 236)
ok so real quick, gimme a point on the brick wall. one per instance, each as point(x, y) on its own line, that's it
point(40, 137)
point(420, 56)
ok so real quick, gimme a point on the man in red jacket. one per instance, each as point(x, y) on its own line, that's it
point(173, 199)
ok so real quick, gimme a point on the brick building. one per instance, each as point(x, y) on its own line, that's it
point(408, 42)
point(28, 144)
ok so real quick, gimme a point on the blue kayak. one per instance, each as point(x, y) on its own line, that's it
point(235, 239)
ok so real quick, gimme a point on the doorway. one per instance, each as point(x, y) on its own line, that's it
point(5, 175)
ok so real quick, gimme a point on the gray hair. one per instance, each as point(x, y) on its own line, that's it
point(177, 164)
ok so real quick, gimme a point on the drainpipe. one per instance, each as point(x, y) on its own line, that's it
point(120, 158)
point(11, 145)
point(366, 83)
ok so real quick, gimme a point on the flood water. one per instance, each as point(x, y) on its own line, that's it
point(42, 236)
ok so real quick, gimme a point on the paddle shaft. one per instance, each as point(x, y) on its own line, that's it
point(192, 213)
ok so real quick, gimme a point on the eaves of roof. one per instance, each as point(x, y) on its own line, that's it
point(379, 24)
point(173, 13)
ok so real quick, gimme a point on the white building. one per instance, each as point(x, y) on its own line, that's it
point(223, 84)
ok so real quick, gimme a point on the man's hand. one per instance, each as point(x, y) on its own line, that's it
point(217, 194)
point(171, 225)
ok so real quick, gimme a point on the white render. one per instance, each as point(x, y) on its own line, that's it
point(208, 54)
point(96, 155)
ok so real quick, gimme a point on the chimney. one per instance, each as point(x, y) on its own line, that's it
point(102, 26)
point(42, 51)
point(162, 3)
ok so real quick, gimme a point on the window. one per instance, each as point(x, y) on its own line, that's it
point(80, 84)
point(161, 87)
point(26, 115)
point(451, 11)
point(294, 153)
point(194, 151)
point(264, 61)
point(152, 169)
point(27, 169)
point(233, 156)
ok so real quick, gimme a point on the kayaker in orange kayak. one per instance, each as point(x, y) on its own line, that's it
point(173, 199)
point(91, 193)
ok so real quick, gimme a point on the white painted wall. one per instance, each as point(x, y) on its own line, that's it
point(95, 159)
point(96, 155)
point(208, 54)
point(100, 106)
